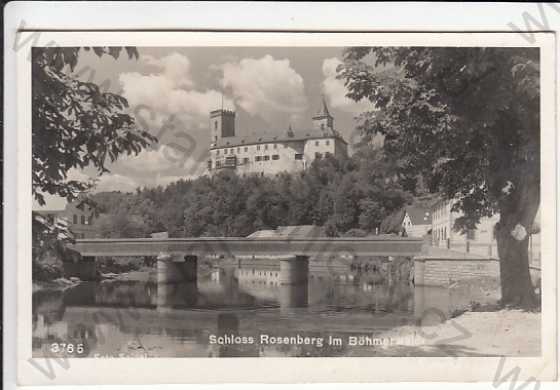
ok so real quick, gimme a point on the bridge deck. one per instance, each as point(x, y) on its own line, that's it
point(229, 246)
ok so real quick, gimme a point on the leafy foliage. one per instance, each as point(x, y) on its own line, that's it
point(340, 194)
point(467, 121)
point(74, 123)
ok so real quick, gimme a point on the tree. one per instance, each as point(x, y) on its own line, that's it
point(467, 120)
point(75, 124)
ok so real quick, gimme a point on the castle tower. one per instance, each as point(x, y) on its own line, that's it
point(222, 124)
point(322, 119)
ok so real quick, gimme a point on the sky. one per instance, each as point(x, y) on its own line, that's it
point(172, 90)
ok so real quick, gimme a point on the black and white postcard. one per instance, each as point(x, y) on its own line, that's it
point(285, 207)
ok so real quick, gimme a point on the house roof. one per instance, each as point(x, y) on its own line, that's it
point(298, 231)
point(277, 136)
point(419, 215)
point(49, 212)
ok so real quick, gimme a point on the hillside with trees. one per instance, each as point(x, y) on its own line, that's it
point(339, 194)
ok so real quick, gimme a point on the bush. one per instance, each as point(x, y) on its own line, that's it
point(46, 272)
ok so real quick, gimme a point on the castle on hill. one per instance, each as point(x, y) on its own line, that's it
point(291, 151)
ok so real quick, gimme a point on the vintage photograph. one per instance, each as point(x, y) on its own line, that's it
point(286, 201)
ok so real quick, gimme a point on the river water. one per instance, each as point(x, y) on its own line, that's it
point(233, 311)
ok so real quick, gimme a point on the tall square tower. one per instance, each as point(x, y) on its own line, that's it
point(222, 123)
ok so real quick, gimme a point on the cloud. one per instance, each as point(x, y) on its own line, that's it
point(266, 87)
point(164, 159)
point(166, 102)
point(169, 92)
point(335, 90)
point(115, 182)
point(174, 67)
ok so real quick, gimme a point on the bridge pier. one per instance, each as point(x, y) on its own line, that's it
point(176, 281)
point(293, 270)
point(174, 269)
point(293, 282)
point(83, 268)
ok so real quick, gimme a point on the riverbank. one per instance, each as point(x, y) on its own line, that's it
point(505, 332)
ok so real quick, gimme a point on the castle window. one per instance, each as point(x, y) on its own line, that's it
point(75, 219)
point(298, 156)
point(275, 157)
point(246, 160)
point(218, 164)
point(246, 149)
point(209, 164)
point(83, 219)
point(258, 147)
point(266, 158)
point(218, 152)
point(215, 125)
point(327, 154)
point(265, 147)
point(258, 158)
point(327, 142)
point(231, 151)
point(238, 150)
point(275, 146)
point(316, 143)
point(318, 155)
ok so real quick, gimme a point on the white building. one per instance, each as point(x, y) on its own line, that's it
point(264, 154)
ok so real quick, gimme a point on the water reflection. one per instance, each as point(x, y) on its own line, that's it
point(232, 304)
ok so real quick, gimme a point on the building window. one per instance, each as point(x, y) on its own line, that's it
point(83, 219)
point(318, 155)
point(218, 164)
point(298, 156)
point(275, 146)
point(327, 154)
point(258, 158)
point(246, 160)
point(266, 158)
point(238, 150)
point(258, 147)
point(209, 164)
point(215, 125)
point(265, 147)
point(316, 143)
point(75, 219)
point(327, 142)
point(231, 151)
point(275, 157)
point(246, 149)
point(218, 152)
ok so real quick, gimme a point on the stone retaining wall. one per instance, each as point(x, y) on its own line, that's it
point(443, 272)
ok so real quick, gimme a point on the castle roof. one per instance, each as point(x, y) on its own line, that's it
point(323, 110)
point(277, 136)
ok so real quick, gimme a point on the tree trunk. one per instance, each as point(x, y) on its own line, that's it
point(512, 236)
point(516, 285)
